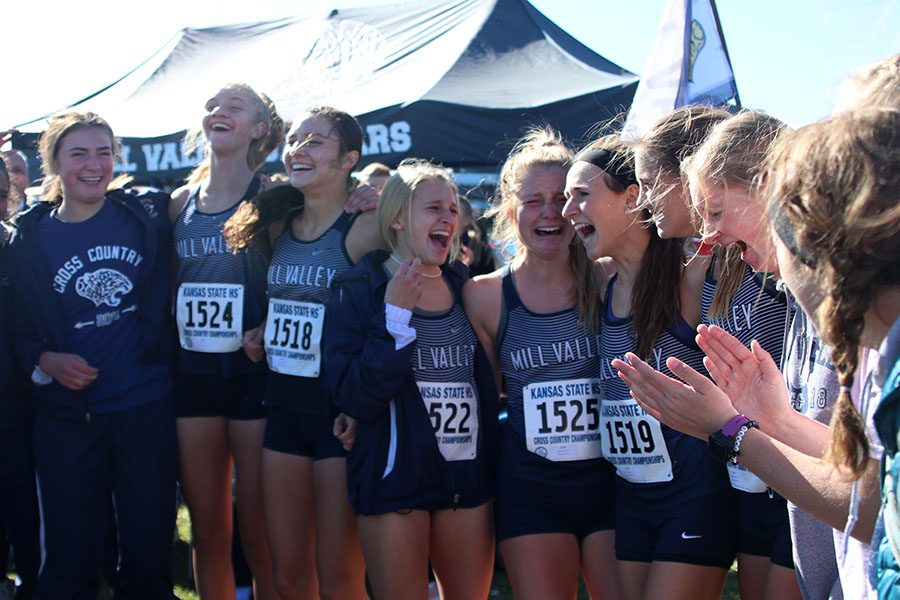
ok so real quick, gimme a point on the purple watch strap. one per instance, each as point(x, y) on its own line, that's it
point(734, 424)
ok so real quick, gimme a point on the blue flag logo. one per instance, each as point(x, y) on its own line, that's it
point(688, 64)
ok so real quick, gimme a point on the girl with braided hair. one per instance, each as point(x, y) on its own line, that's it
point(834, 225)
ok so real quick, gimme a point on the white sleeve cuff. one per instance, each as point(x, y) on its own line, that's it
point(38, 377)
point(397, 321)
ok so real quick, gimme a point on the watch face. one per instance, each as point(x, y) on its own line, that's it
point(721, 446)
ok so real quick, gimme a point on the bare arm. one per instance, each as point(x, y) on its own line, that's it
point(481, 299)
point(698, 407)
point(818, 487)
point(364, 236)
point(179, 199)
point(753, 382)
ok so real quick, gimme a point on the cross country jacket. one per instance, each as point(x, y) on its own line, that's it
point(38, 328)
point(395, 462)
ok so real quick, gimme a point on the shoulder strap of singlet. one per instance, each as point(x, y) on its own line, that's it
point(345, 222)
point(769, 286)
point(710, 275)
point(252, 189)
point(509, 299)
point(191, 199)
point(607, 299)
point(683, 332)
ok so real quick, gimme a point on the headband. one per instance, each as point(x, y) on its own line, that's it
point(785, 230)
point(609, 162)
point(782, 226)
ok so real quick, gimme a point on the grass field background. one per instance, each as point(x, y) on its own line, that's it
point(500, 588)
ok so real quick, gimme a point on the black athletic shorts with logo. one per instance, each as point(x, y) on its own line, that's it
point(699, 531)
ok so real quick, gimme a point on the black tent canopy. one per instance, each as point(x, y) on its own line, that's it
point(454, 81)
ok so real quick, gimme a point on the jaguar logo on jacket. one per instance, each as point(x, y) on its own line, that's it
point(103, 286)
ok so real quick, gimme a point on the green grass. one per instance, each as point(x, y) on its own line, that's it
point(500, 587)
point(181, 557)
point(184, 587)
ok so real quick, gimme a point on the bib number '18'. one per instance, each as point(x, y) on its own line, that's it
point(293, 337)
point(562, 419)
point(453, 409)
point(210, 316)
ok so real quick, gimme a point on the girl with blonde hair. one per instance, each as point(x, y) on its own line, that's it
point(405, 363)
point(219, 296)
point(555, 498)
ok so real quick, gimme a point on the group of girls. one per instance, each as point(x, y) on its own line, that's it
point(338, 365)
point(99, 341)
point(829, 229)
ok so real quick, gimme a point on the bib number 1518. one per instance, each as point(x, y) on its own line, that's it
point(291, 333)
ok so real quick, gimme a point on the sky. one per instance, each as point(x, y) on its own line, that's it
point(789, 56)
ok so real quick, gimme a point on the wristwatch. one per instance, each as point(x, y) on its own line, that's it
point(722, 443)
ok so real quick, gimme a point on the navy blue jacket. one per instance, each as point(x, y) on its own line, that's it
point(374, 383)
point(38, 329)
point(14, 409)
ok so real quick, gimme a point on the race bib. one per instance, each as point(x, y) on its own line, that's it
point(210, 316)
point(634, 443)
point(293, 337)
point(562, 419)
point(453, 408)
point(744, 480)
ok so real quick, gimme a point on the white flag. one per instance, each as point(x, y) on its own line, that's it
point(688, 64)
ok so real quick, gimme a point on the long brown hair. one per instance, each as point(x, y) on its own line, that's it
point(734, 153)
point(670, 141)
point(837, 183)
point(543, 147)
point(254, 217)
point(655, 301)
point(676, 136)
